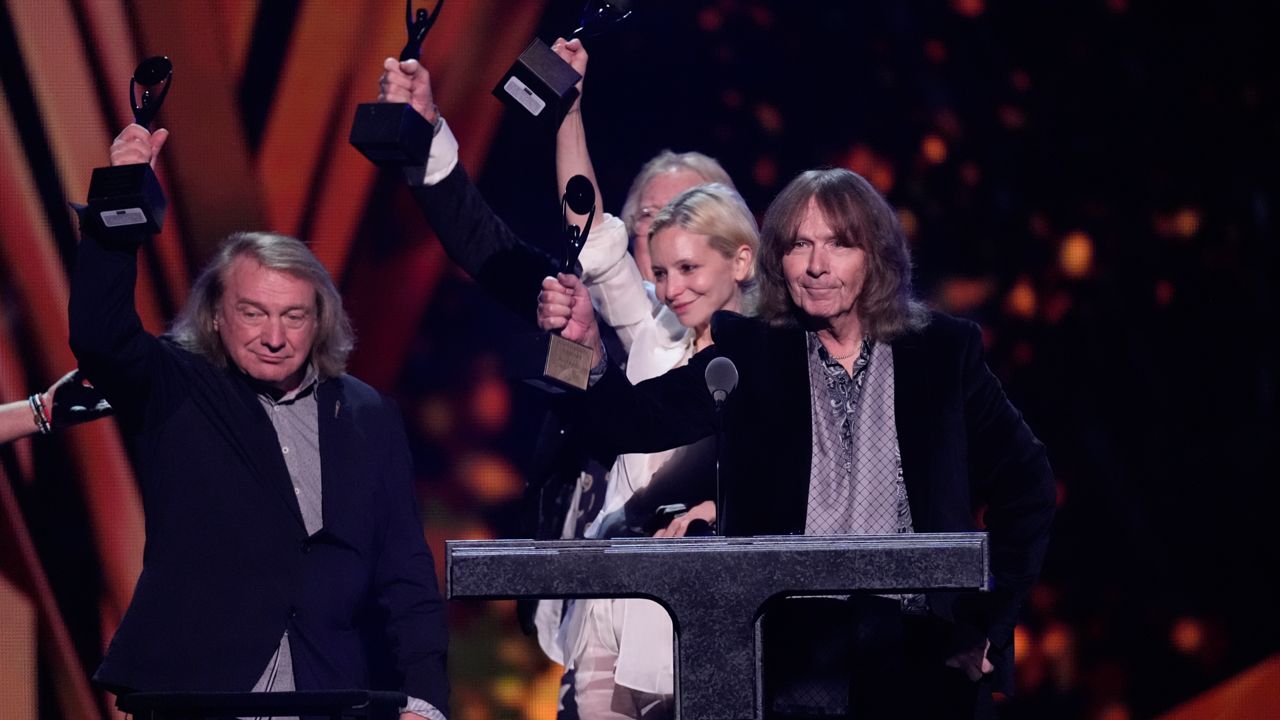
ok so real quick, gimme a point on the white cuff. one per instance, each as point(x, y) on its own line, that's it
point(423, 709)
point(605, 247)
point(441, 160)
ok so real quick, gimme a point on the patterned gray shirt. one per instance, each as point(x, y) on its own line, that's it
point(855, 488)
point(856, 485)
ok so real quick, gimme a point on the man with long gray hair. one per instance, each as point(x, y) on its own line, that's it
point(284, 547)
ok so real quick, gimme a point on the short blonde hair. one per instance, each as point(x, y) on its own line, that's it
point(718, 212)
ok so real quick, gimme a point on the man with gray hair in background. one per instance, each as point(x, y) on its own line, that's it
point(284, 547)
point(665, 176)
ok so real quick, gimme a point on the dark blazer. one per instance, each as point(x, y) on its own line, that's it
point(962, 443)
point(508, 268)
point(228, 565)
point(511, 271)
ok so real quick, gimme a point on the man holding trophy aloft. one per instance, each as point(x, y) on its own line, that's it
point(284, 546)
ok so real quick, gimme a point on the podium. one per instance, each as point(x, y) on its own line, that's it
point(715, 589)
point(333, 704)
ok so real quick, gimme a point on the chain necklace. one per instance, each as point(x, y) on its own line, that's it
point(856, 349)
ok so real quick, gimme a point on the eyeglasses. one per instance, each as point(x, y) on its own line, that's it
point(644, 214)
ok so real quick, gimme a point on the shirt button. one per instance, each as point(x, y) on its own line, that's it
point(297, 490)
point(285, 450)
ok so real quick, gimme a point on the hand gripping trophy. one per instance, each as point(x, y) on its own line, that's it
point(125, 196)
point(394, 134)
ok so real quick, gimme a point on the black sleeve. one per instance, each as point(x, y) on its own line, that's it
point(474, 237)
point(406, 581)
point(1011, 473)
point(112, 348)
point(668, 411)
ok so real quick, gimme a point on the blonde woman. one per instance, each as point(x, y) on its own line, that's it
point(702, 247)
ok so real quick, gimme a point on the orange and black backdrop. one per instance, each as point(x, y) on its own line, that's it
point(1093, 181)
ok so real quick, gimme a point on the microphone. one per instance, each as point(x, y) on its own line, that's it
point(722, 378)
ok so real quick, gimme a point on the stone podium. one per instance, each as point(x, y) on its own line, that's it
point(715, 589)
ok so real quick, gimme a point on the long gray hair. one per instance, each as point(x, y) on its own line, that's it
point(193, 329)
point(860, 216)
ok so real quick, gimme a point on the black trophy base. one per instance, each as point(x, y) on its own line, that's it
point(391, 134)
point(127, 197)
point(550, 362)
point(539, 84)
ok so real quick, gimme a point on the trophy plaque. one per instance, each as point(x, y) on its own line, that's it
point(126, 196)
point(394, 134)
point(540, 84)
point(547, 360)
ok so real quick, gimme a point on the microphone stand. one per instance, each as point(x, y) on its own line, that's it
point(722, 378)
point(721, 507)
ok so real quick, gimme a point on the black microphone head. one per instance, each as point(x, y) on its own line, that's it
point(722, 378)
point(580, 195)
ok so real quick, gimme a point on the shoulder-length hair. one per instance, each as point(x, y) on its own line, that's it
point(718, 212)
point(859, 216)
point(193, 329)
point(705, 166)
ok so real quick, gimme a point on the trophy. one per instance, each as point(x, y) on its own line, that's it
point(125, 196)
point(548, 360)
point(394, 134)
point(543, 85)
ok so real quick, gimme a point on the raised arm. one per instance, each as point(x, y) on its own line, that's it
point(609, 271)
point(572, 157)
point(106, 334)
point(473, 235)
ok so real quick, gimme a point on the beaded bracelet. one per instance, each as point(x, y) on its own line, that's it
point(38, 412)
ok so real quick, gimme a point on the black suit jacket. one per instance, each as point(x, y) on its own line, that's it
point(962, 443)
point(511, 271)
point(228, 565)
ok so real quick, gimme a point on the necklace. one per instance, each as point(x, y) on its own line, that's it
point(856, 349)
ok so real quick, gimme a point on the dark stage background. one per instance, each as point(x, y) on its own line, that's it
point(1093, 181)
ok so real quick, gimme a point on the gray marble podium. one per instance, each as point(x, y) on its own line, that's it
point(715, 589)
